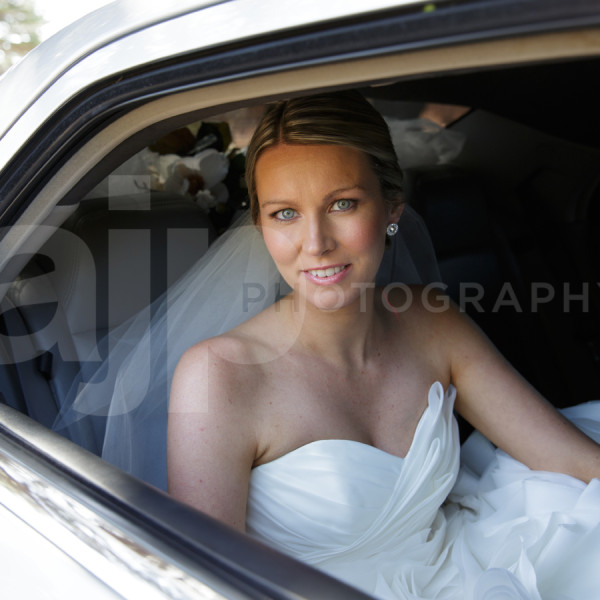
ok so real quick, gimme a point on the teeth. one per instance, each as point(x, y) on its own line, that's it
point(326, 272)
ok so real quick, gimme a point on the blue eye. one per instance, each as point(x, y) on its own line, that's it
point(286, 214)
point(343, 204)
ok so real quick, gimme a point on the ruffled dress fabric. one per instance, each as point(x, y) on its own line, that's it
point(427, 526)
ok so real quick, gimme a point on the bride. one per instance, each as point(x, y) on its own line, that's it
point(323, 425)
point(320, 419)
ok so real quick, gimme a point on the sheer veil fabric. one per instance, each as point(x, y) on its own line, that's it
point(233, 281)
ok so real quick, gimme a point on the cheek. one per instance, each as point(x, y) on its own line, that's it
point(279, 246)
point(366, 237)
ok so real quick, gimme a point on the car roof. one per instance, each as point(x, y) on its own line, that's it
point(105, 32)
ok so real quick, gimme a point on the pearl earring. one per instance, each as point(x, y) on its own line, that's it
point(392, 229)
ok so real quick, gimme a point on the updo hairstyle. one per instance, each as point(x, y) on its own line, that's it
point(336, 118)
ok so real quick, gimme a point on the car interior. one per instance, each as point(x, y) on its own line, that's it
point(501, 164)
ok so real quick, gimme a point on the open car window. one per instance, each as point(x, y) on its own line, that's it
point(500, 153)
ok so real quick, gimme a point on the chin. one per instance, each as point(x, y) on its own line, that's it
point(331, 298)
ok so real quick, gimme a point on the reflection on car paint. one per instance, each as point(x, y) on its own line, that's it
point(123, 562)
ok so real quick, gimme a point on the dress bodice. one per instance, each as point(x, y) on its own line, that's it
point(418, 527)
point(332, 502)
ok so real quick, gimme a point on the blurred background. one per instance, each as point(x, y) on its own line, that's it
point(25, 23)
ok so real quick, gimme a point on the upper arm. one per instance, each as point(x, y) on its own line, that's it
point(500, 403)
point(211, 443)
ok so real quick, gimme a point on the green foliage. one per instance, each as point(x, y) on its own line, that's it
point(19, 27)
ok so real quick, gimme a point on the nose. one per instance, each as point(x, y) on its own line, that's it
point(318, 238)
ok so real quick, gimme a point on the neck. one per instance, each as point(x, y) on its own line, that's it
point(343, 336)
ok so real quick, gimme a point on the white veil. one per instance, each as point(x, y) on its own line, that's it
point(124, 403)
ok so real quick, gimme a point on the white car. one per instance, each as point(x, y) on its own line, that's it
point(498, 99)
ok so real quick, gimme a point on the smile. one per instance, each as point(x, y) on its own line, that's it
point(328, 272)
point(328, 275)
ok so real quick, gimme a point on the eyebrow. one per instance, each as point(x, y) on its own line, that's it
point(327, 197)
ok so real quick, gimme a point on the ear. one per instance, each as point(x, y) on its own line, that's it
point(395, 212)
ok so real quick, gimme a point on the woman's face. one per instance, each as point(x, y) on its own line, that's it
point(323, 218)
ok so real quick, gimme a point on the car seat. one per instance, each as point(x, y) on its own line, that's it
point(109, 260)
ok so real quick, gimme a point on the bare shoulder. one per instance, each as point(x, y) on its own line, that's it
point(213, 437)
point(435, 327)
point(214, 372)
point(224, 376)
point(491, 394)
point(216, 418)
point(459, 346)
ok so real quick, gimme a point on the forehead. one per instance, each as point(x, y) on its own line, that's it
point(294, 163)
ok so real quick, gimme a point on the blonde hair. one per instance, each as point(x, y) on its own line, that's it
point(337, 118)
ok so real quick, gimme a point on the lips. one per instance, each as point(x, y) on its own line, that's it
point(328, 272)
point(328, 275)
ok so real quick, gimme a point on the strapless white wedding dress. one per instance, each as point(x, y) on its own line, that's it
point(434, 524)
